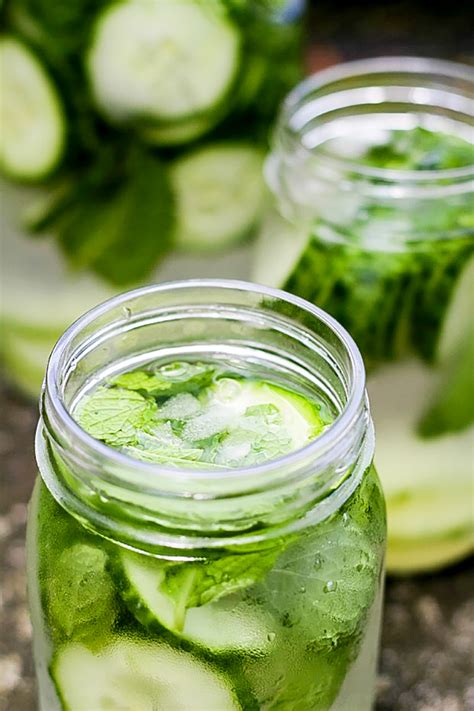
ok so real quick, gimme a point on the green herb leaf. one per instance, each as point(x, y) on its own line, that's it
point(169, 379)
point(80, 592)
point(123, 233)
point(196, 584)
point(116, 416)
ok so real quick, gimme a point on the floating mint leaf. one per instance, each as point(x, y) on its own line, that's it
point(115, 415)
point(169, 379)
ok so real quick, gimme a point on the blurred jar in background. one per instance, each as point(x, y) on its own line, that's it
point(133, 137)
point(372, 178)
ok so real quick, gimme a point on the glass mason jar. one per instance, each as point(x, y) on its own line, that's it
point(290, 552)
point(41, 293)
point(388, 251)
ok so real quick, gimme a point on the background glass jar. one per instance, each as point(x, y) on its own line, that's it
point(372, 178)
point(304, 533)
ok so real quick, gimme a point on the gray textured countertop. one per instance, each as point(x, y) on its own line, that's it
point(426, 661)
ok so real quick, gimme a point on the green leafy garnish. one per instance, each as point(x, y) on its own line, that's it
point(80, 592)
point(169, 379)
point(116, 416)
point(101, 232)
point(420, 149)
point(181, 586)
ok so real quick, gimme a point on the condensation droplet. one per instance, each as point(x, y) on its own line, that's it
point(330, 586)
point(126, 312)
point(302, 589)
point(271, 636)
point(345, 519)
point(317, 561)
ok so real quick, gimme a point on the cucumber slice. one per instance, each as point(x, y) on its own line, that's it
point(219, 193)
point(138, 676)
point(25, 359)
point(176, 59)
point(38, 289)
point(32, 138)
point(428, 482)
point(301, 419)
point(222, 626)
point(403, 557)
point(178, 133)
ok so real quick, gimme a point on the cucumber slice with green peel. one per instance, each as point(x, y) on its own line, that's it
point(235, 399)
point(25, 359)
point(32, 139)
point(404, 556)
point(428, 482)
point(226, 625)
point(178, 133)
point(219, 193)
point(130, 675)
point(176, 59)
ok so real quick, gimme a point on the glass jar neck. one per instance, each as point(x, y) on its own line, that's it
point(355, 100)
point(155, 508)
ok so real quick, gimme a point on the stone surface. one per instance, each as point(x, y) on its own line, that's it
point(426, 661)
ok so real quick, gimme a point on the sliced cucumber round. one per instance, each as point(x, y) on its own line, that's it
point(300, 418)
point(226, 625)
point(178, 133)
point(33, 129)
point(219, 193)
point(130, 675)
point(25, 359)
point(161, 59)
point(428, 482)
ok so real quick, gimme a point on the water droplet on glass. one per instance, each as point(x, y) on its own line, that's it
point(271, 636)
point(345, 519)
point(330, 586)
point(302, 589)
point(126, 312)
point(317, 561)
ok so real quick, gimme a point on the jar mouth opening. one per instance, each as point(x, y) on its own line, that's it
point(56, 411)
point(314, 97)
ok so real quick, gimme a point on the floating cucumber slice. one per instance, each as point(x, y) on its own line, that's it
point(130, 675)
point(176, 60)
point(427, 482)
point(226, 625)
point(33, 132)
point(300, 418)
point(219, 192)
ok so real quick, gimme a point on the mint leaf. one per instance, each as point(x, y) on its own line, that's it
point(169, 379)
point(122, 233)
point(161, 445)
point(328, 580)
point(80, 592)
point(194, 584)
point(116, 416)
